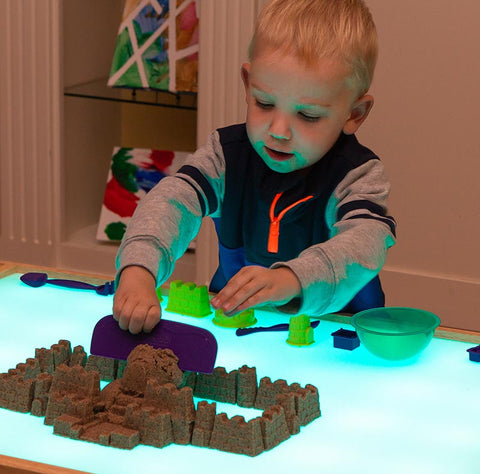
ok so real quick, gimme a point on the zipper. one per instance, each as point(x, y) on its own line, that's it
point(274, 230)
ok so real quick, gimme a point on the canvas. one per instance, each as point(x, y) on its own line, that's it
point(133, 172)
point(157, 46)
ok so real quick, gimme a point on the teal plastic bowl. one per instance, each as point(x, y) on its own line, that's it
point(395, 333)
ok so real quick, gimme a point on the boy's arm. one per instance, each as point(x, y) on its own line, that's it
point(157, 235)
point(163, 225)
point(332, 273)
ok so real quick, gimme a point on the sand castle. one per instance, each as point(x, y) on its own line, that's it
point(151, 401)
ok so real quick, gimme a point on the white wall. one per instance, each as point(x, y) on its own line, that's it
point(424, 127)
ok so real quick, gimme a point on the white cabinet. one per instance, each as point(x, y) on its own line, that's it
point(55, 149)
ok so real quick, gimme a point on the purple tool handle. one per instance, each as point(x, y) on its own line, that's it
point(276, 327)
point(196, 348)
point(79, 285)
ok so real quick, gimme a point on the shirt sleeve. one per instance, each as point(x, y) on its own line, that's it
point(168, 218)
point(333, 272)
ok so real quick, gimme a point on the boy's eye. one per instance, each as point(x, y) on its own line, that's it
point(263, 105)
point(308, 117)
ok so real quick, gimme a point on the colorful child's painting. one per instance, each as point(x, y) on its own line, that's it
point(157, 46)
point(133, 172)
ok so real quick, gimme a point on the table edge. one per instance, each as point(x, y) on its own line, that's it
point(12, 465)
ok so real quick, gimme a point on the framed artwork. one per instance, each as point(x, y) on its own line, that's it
point(157, 46)
point(132, 173)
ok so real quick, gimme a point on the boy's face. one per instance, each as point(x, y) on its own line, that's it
point(296, 113)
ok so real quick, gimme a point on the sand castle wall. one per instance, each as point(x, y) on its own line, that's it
point(150, 401)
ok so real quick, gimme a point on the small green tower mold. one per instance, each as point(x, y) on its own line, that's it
point(188, 299)
point(300, 333)
point(241, 320)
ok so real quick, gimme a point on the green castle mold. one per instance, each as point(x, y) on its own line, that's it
point(188, 299)
point(241, 320)
point(300, 333)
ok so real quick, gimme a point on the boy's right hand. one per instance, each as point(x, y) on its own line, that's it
point(135, 303)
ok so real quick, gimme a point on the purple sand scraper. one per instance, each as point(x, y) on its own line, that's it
point(196, 348)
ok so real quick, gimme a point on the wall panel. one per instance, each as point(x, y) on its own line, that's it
point(29, 130)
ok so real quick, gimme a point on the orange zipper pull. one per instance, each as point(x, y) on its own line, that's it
point(274, 230)
point(273, 235)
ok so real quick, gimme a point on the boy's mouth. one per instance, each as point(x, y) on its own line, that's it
point(278, 155)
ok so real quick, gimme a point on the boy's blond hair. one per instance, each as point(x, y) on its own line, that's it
point(316, 29)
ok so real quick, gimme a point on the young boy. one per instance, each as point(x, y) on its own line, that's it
point(299, 205)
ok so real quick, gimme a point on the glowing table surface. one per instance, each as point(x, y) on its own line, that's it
point(418, 416)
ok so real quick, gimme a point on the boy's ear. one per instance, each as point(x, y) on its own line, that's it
point(360, 110)
point(245, 72)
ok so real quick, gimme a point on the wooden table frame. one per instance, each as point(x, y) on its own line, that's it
point(9, 465)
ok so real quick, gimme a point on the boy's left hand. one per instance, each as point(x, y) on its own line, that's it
point(254, 285)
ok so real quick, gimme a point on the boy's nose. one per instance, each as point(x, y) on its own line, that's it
point(280, 129)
